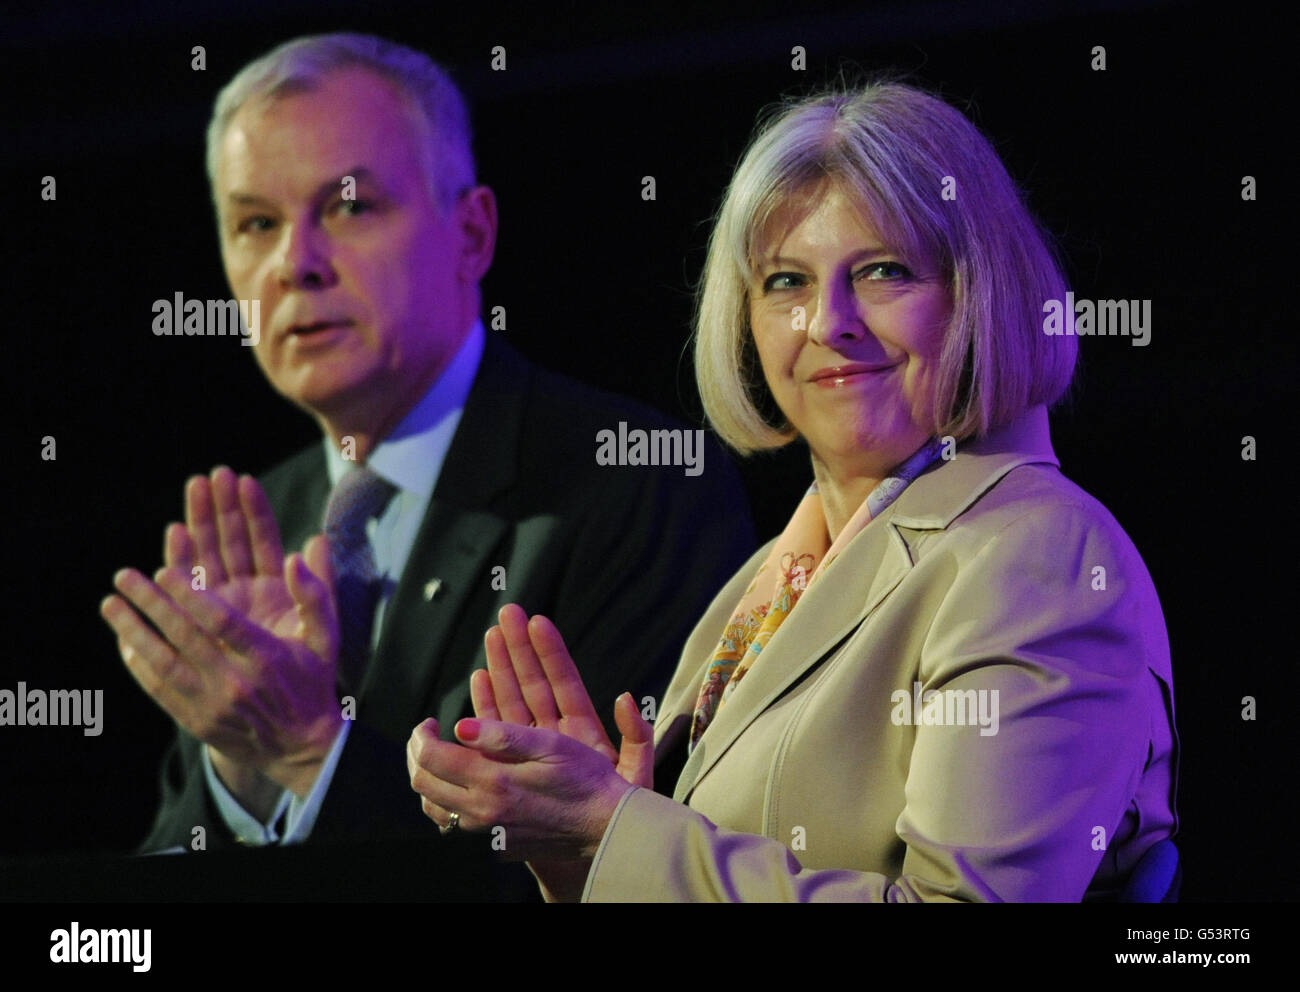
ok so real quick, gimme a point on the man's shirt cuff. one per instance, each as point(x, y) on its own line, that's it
point(302, 813)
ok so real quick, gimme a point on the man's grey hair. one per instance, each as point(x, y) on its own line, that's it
point(301, 64)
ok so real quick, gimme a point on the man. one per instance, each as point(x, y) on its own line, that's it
point(454, 475)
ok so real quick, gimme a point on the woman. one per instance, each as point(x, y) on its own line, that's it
point(949, 677)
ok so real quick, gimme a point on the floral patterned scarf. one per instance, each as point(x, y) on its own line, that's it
point(802, 554)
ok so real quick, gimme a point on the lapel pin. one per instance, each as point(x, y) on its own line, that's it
point(431, 589)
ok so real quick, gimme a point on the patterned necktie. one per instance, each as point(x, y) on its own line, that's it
point(359, 496)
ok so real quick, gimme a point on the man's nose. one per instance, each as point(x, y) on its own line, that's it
point(304, 257)
point(838, 318)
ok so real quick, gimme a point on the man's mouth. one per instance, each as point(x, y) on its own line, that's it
point(306, 330)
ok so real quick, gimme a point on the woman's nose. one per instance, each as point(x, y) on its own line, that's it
point(838, 318)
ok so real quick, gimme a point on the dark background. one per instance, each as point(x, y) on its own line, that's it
point(1138, 170)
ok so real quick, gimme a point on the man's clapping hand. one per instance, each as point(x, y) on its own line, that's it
point(247, 664)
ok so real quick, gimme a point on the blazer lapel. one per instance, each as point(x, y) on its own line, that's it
point(851, 589)
point(826, 614)
point(673, 722)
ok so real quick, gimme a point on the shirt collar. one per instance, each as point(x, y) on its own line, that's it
point(411, 456)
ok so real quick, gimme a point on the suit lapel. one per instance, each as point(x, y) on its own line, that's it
point(458, 534)
point(300, 495)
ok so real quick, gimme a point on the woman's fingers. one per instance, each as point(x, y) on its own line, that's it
point(505, 686)
point(560, 672)
point(531, 678)
point(482, 695)
point(636, 755)
point(551, 794)
point(441, 771)
point(442, 818)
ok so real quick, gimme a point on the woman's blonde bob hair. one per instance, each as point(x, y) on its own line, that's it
point(932, 187)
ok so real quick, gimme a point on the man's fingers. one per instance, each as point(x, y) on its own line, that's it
point(482, 696)
point(315, 603)
point(198, 622)
point(181, 631)
point(316, 552)
point(201, 522)
point(316, 555)
point(509, 699)
point(533, 684)
point(178, 548)
point(232, 528)
point(152, 662)
point(188, 673)
point(263, 532)
point(561, 673)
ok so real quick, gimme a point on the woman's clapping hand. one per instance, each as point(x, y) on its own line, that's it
point(536, 760)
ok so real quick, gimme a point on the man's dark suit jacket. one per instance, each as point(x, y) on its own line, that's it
point(623, 559)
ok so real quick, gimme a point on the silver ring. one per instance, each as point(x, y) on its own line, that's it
point(453, 824)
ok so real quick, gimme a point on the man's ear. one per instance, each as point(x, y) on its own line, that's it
point(476, 212)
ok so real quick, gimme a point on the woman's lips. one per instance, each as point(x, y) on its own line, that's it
point(838, 376)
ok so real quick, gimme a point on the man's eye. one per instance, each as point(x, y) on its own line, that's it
point(782, 280)
point(258, 222)
point(877, 271)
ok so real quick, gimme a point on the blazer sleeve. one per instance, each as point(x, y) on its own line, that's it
point(1022, 814)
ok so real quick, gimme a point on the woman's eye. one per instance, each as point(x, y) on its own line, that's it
point(877, 271)
point(782, 280)
point(352, 208)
